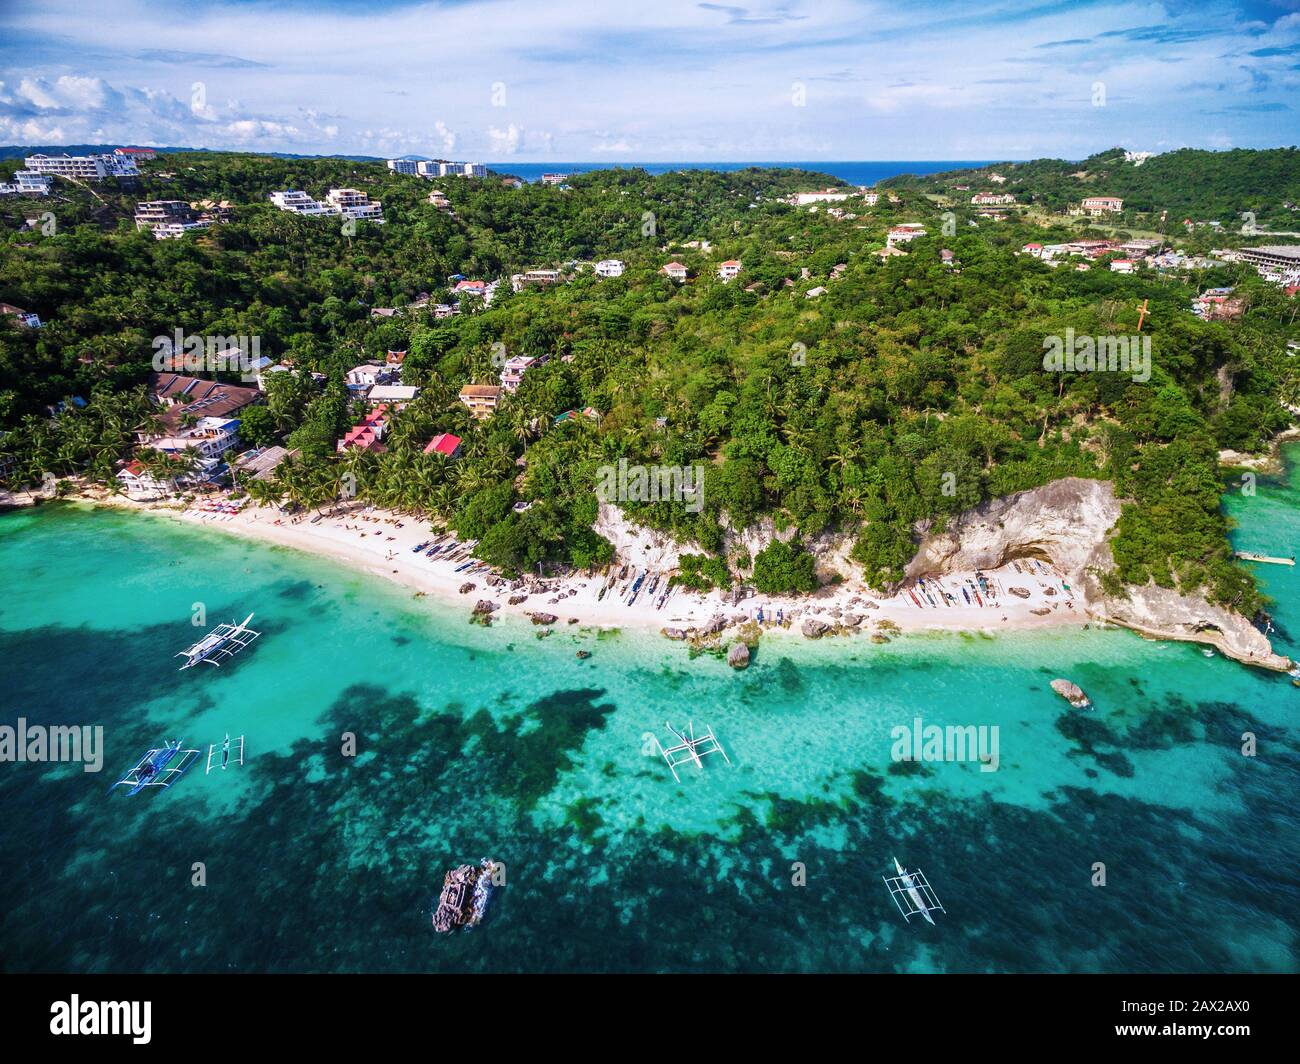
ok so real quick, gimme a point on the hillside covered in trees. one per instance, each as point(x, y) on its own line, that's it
point(906, 388)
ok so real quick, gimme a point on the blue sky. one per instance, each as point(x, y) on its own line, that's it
point(668, 80)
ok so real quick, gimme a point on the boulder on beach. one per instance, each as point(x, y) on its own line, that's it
point(465, 589)
point(514, 600)
point(815, 629)
point(573, 620)
point(714, 626)
point(1072, 693)
point(674, 633)
point(852, 619)
point(486, 606)
point(543, 618)
point(738, 656)
point(1019, 592)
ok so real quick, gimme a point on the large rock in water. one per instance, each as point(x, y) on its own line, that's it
point(543, 618)
point(485, 606)
point(738, 656)
point(1071, 692)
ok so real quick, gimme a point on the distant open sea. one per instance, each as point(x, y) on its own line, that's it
point(855, 173)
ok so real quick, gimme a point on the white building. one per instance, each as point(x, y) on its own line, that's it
point(352, 203)
point(729, 269)
point(83, 167)
point(404, 166)
point(28, 183)
point(209, 439)
point(675, 270)
point(392, 393)
point(366, 375)
point(827, 195)
point(512, 373)
point(609, 268)
point(299, 203)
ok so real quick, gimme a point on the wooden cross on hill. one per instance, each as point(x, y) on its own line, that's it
point(1142, 314)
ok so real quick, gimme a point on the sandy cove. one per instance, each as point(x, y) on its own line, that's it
point(382, 543)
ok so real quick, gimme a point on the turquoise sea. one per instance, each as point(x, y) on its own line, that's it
point(479, 742)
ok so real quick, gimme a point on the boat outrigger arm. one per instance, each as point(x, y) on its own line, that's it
point(912, 894)
point(224, 641)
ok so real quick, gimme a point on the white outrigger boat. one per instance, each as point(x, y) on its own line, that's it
point(914, 889)
point(690, 748)
point(224, 641)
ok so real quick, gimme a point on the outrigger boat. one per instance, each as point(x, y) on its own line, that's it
point(158, 768)
point(691, 748)
point(224, 641)
point(914, 889)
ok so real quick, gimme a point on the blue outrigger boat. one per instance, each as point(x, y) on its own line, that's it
point(158, 768)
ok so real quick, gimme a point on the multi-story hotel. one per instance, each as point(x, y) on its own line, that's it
point(1277, 262)
point(481, 399)
point(83, 167)
point(436, 168)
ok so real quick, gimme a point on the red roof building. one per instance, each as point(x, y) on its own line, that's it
point(368, 435)
point(444, 443)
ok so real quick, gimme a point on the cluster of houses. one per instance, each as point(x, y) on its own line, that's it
point(727, 271)
point(199, 419)
point(345, 202)
point(1218, 304)
point(1133, 252)
point(169, 219)
point(431, 168)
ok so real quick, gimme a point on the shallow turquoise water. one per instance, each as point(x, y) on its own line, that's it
point(476, 742)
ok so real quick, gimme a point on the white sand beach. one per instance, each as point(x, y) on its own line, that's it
point(383, 543)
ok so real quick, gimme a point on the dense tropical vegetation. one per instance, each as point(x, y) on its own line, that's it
point(907, 390)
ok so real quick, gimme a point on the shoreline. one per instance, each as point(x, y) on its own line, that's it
point(381, 543)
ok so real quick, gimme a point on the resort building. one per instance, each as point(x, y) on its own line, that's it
point(140, 484)
point(395, 395)
point(83, 167)
point(984, 199)
point(27, 183)
point(168, 218)
point(440, 200)
point(828, 195)
point(260, 463)
point(140, 155)
point(368, 434)
point(871, 198)
point(182, 396)
point(904, 233)
point(209, 438)
point(1278, 262)
point(1123, 266)
point(351, 203)
point(1098, 205)
point(729, 270)
point(481, 399)
point(554, 179)
point(530, 278)
point(512, 373)
point(366, 376)
point(609, 268)
point(431, 168)
point(445, 444)
point(24, 317)
point(299, 203)
point(676, 271)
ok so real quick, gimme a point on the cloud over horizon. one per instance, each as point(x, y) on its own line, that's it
point(682, 81)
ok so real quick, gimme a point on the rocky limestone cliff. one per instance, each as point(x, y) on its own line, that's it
point(1068, 522)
